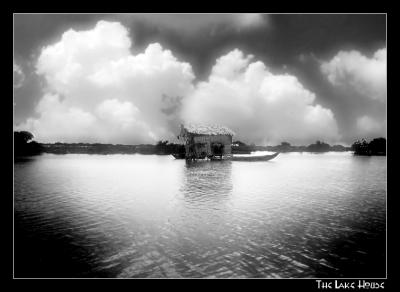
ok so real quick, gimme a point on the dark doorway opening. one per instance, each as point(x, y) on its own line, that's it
point(218, 149)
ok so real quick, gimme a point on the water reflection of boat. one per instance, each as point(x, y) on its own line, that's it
point(254, 157)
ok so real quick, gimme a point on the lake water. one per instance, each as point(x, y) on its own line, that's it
point(297, 216)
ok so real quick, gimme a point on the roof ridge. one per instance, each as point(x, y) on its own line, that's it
point(207, 129)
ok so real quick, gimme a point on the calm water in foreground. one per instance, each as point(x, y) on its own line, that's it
point(299, 215)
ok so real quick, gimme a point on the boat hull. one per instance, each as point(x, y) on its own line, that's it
point(234, 158)
point(179, 156)
point(255, 158)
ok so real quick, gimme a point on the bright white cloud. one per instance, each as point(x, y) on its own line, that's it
point(99, 91)
point(111, 122)
point(351, 69)
point(260, 106)
point(58, 122)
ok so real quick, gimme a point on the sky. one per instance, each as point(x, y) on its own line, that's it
point(134, 78)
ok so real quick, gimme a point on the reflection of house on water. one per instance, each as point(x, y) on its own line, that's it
point(207, 182)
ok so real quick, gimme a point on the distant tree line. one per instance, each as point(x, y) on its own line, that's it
point(164, 147)
point(240, 147)
point(97, 148)
point(161, 148)
point(375, 147)
point(24, 145)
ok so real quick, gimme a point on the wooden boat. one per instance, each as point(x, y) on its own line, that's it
point(254, 158)
point(179, 155)
point(234, 157)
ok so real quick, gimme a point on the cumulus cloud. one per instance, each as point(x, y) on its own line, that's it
point(19, 76)
point(352, 70)
point(260, 106)
point(112, 121)
point(98, 91)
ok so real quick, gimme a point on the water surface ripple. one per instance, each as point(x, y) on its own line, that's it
point(297, 216)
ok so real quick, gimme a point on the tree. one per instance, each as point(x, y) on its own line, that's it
point(378, 146)
point(164, 147)
point(239, 143)
point(360, 148)
point(23, 144)
point(22, 137)
point(319, 147)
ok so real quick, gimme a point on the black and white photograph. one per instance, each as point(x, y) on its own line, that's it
point(200, 146)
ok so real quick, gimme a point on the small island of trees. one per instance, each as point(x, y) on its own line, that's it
point(375, 147)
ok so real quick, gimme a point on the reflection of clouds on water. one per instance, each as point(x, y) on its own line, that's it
point(207, 182)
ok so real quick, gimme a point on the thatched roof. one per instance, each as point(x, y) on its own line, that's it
point(201, 129)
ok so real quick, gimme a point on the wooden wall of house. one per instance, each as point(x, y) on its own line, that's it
point(209, 139)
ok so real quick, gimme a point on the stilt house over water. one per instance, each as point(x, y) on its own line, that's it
point(206, 141)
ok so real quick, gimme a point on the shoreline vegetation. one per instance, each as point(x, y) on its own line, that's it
point(24, 145)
